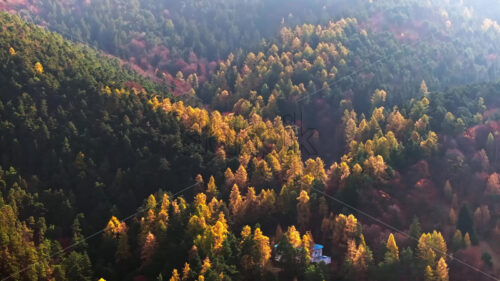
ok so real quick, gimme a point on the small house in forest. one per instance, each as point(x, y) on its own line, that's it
point(316, 255)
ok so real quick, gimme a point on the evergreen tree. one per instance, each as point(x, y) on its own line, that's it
point(465, 223)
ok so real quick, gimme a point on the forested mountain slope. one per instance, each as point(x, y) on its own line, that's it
point(398, 98)
point(86, 139)
point(164, 38)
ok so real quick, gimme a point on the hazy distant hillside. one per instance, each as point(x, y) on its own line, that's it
point(165, 38)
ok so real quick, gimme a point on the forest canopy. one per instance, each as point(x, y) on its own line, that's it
point(249, 140)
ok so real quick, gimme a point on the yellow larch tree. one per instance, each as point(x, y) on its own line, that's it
point(211, 188)
point(467, 240)
point(350, 130)
point(199, 184)
point(308, 244)
point(262, 243)
point(423, 88)
point(219, 232)
point(376, 166)
point(361, 259)
point(294, 237)
point(431, 246)
point(397, 123)
point(175, 276)
point(351, 250)
point(200, 203)
point(186, 272)
point(442, 271)
point(38, 68)
point(430, 145)
point(392, 254)
point(274, 163)
point(148, 248)
point(428, 274)
point(246, 231)
point(235, 201)
point(151, 202)
point(240, 177)
point(229, 177)
point(356, 169)
point(115, 227)
point(251, 201)
point(344, 229)
point(206, 265)
point(378, 97)
point(303, 210)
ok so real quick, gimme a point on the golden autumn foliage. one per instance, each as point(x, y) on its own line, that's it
point(376, 166)
point(303, 210)
point(343, 228)
point(397, 123)
point(211, 188)
point(246, 231)
point(235, 201)
point(431, 246)
point(429, 274)
point(294, 237)
point(315, 168)
point(220, 231)
point(115, 227)
point(186, 271)
point(256, 154)
point(208, 237)
point(308, 244)
point(175, 276)
point(151, 202)
point(423, 88)
point(229, 177)
point(378, 97)
point(362, 259)
point(38, 68)
point(240, 177)
point(467, 241)
point(263, 245)
point(258, 248)
point(206, 265)
point(359, 256)
point(430, 145)
point(442, 271)
point(148, 248)
point(356, 169)
point(392, 253)
point(200, 203)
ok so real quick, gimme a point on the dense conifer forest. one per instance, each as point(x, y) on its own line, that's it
point(236, 140)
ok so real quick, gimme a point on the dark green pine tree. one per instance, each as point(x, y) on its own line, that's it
point(415, 231)
point(465, 223)
point(78, 237)
point(78, 267)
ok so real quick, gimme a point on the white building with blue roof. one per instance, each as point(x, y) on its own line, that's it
point(316, 255)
